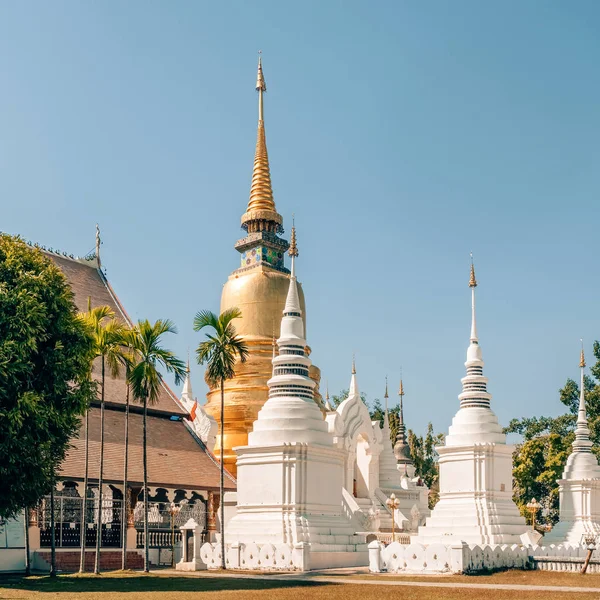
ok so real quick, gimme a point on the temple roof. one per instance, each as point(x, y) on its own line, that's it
point(87, 281)
point(175, 458)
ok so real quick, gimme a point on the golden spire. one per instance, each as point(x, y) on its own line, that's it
point(401, 390)
point(582, 357)
point(472, 280)
point(293, 251)
point(353, 365)
point(386, 395)
point(261, 213)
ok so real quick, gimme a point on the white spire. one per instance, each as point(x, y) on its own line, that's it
point(474, 384)
point(582, 441)
point(353, 390)
point(187, 396)
point(290, 414)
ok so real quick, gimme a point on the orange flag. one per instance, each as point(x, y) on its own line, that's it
point(193, 411)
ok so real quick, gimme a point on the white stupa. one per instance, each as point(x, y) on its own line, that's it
point(290, 475)
point(579, 487)
point(475, 504)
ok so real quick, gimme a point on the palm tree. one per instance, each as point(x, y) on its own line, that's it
point(145, 380)
point(128, 359)
point(91, 319)
point(107, 333)
point(220, 352)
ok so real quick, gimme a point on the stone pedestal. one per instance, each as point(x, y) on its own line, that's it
point(475, 504)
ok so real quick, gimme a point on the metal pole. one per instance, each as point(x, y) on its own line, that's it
point(393, 531)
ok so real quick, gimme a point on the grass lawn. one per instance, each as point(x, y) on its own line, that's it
point(509, 577)
point(136, 586)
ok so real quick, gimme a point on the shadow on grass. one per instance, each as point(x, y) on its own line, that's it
point(145, 583)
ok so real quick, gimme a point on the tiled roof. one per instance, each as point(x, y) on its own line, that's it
point(87, 282)
point(175, 458)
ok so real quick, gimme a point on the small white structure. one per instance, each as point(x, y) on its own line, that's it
point(191, 539)
point(475, 504)
point(373, 471)
point(290, 475)
point(579, 487)
point(203, 424)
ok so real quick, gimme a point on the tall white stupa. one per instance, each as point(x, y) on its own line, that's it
point(290, 475)
point(579, 487)
point(475, 464)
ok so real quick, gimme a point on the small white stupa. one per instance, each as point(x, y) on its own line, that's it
point(579, 487)
point(475, 504)
point(290, 475)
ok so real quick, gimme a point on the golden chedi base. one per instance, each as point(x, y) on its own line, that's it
point(260, 295)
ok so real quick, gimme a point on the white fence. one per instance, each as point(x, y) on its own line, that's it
point(462, 558)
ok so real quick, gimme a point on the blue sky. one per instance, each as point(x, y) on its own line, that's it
point(403, 135)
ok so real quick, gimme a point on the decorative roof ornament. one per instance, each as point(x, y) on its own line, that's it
point(261, 214)
point(472, 280)
point(353, 364)
point(98, 243)
point(386, 395)
point(328, 405)
point(401, 447)
point(582, 357)
point(293, 250)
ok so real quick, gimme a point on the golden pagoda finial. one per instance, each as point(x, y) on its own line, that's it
point(187, 370)
point(327, 390)
point(293, 251)
point(353, 364)
point(472, 280)
point(386, 395)
point(582, 357)
point(261, 213)
point(401, 390)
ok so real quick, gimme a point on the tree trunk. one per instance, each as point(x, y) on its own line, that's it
point(222, 480)
point(146, 552)
point(27, 553)
point(52, 533)
point(101, 467)
point(83, 530)
point(125, 518)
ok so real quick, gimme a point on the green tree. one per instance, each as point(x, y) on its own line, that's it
point(44, 362)
point(539, 459)
point(220, 351)
point(337, 399)
point(145, 380)
point(425, 457)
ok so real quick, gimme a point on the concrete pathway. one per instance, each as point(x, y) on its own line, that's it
point(326, 577)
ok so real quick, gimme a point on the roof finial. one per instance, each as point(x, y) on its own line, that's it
point(386, 395)
point(582, 357)
point(473, 285)
point(327, 390)
point(353, 364)
point(98, 242)
point(472, 280)
point(187, 370)
point(293, 251)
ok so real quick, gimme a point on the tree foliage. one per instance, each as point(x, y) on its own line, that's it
point(44, 367)
point(539, 460)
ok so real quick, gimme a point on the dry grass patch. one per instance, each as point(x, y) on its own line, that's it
point(155, 586)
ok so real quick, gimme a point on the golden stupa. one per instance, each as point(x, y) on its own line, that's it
point(259, 289)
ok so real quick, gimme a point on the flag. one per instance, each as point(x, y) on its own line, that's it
point(193, 411)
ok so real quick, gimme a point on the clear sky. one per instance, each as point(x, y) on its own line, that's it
point(403, 135)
